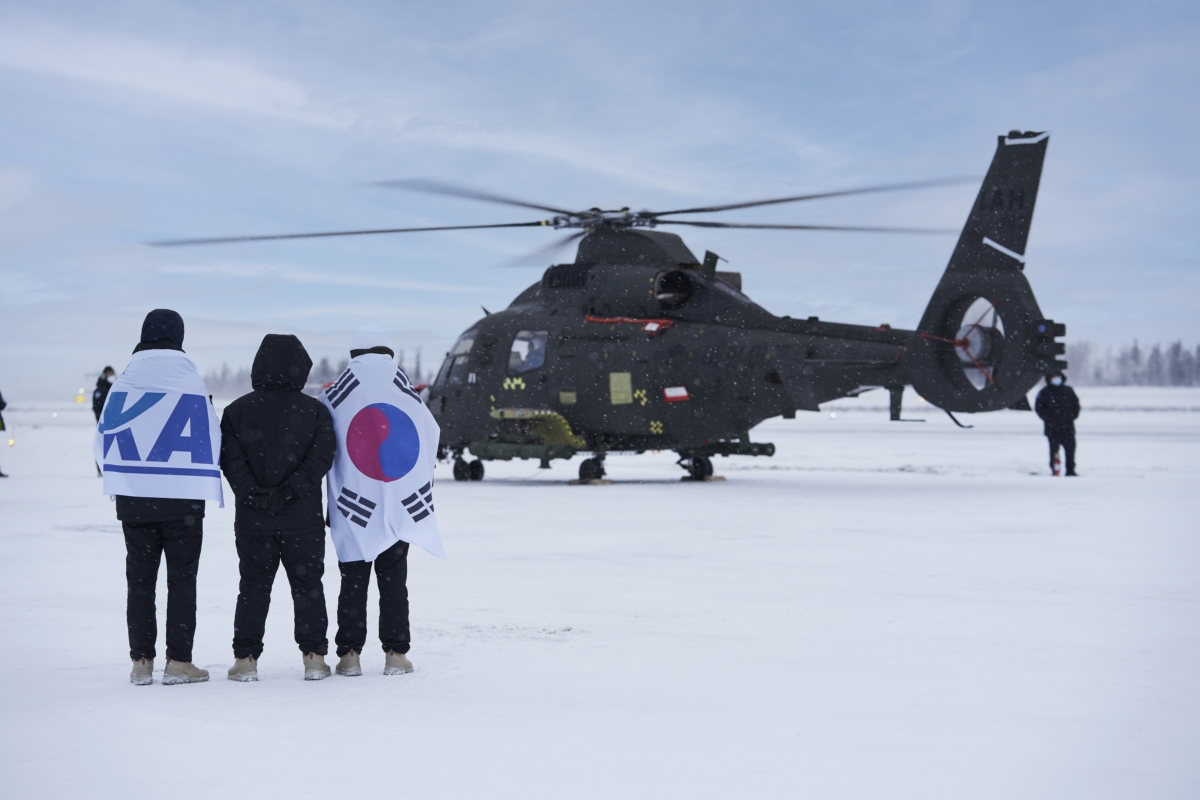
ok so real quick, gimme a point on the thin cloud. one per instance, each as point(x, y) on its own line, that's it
point(253, 271)
point(170, 71)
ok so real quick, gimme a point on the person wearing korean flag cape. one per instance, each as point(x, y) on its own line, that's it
point(158, 443)
point(380, 495)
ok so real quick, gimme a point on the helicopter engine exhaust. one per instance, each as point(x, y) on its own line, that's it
point(672, 288)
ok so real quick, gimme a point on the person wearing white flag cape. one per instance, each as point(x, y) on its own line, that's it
point(379, 495)
point(157, 442)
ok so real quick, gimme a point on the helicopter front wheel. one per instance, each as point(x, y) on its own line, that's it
point(591, 469)
point(462, 472)
point(699, 468)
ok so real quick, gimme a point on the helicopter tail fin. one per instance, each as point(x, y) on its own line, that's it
point(983, 342)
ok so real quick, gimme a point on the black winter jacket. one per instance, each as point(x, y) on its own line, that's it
point(1058, 406)
point(280, 440)
point(158, 509)
point(100, 395)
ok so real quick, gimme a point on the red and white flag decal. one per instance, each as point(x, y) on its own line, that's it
point(675, 394)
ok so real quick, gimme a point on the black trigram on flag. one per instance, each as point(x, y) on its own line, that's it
point(420, 503)
point(341, 388)
point(356, 507)
point(405, 385)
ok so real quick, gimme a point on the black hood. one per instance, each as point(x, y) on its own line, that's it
point(281, 363)
point(163, 325)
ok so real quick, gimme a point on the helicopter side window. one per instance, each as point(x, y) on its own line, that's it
point(528, 352)
point(455, 367)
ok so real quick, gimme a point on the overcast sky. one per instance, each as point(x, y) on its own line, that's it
point(127, 122)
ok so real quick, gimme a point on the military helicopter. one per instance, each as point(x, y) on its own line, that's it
point(639, 345)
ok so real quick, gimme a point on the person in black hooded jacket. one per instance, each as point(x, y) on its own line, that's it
point(103, 385)
point(100, 397)
point(1058, 407)
point(277, 443)
point(3, 405)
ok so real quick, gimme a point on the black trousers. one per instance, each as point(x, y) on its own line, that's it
point(145, 543)
point(391, 568)
point(303, 557)
point(1065, 440)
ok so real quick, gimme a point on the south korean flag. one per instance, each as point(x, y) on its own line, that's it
point(380, 490)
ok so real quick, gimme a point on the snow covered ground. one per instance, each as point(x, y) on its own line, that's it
point(882, 610)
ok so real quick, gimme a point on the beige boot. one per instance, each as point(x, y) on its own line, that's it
point(396, 664)
point(349, 665)
point(244, 669)
point(183, 672)
point(143, 672)
point(315, 668)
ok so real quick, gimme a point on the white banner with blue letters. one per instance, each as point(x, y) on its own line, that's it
point(158, 434)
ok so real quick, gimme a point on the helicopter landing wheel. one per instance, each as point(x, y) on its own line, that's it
point(475, 470)
point(591, 469)
point(700, 468)
point(462, 472)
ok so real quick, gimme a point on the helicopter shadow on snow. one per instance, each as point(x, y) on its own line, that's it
point(519, 481)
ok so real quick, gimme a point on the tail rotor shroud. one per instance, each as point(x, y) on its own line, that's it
point(983, 341)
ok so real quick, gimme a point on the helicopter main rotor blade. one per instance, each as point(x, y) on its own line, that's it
point(436, 187)
point(536, 258)
point(769, 227)
point(275, 237)
point(891, 187)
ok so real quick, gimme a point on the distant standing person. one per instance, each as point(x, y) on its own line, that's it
point(1058, 407)
point(158, 441)
point(100, 395)
point(277, 444)
point(103, 384)
point(3, 405)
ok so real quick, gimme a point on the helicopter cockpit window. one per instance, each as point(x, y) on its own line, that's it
point(455, 368)
point(528, 351)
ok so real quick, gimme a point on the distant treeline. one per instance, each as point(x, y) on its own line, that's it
point(1133, 365)
point(229, 383)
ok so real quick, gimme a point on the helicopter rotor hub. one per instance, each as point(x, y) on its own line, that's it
point(596, 218)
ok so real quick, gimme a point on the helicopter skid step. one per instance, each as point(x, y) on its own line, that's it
point(705, 479)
